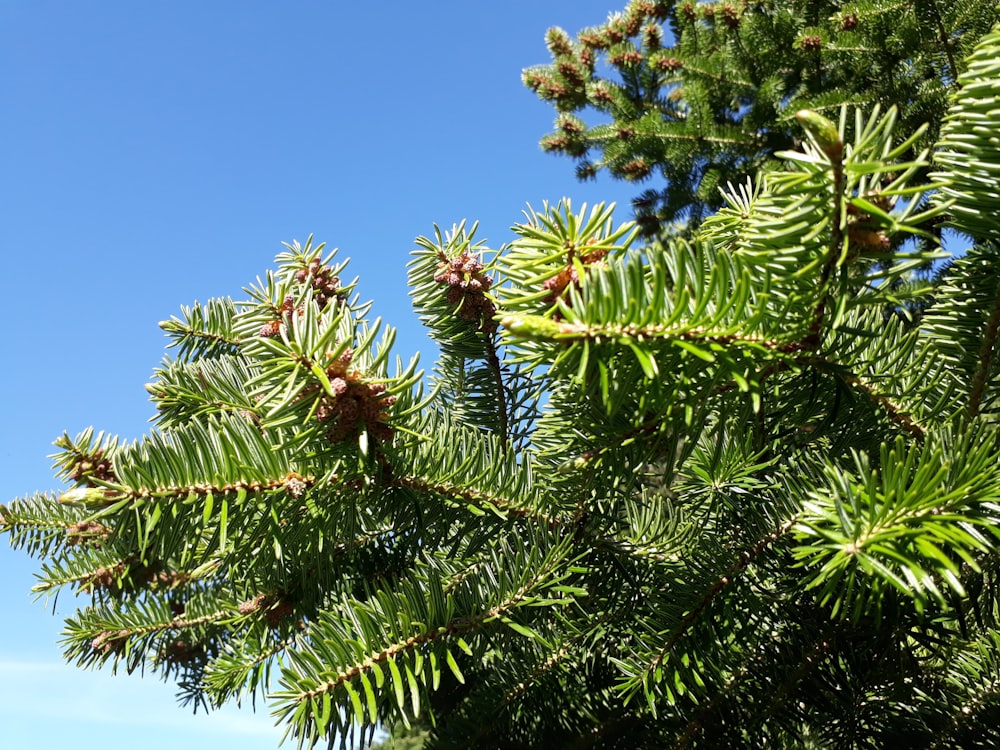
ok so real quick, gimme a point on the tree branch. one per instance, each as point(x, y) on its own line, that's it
point(987, 349)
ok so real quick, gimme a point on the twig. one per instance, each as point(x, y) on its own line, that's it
point(986, 353)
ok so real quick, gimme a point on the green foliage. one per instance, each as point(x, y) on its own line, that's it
point(969, 150)
point(713, 491)
point(704, 93)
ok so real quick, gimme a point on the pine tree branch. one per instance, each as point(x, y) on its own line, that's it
point(128, 497)
point(946, 44)
point(987, 350)
point(538, 327)
point(295, 484)
point(205, 331)
point(104, 577)
point(456, 628)
point(551, 661)
point(697, 724)
point(199, 337)
point(741, 564)
point(661, 135)
point(226, 676)
point(967, 713)
point(718, 77)
point(523, 687)
point(15, 523)
point(826, 137)
point(493, 362)
point(891, 408)
point(812, 659)
point(476, 497)
point(182, 623)
point(111, 642)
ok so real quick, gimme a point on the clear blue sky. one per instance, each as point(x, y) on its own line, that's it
point(158, 152)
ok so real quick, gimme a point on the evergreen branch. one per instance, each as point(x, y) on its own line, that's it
point(962, 325)
point(810, 661)
point(42, 526)
point(204, 331)
point(422, 617)
point(104, 571)
point(493, 361)
point(893, 364)
point(705, 397)
point(555, 251)
point(99, 634)
point(185, 390)
point(131, 497)
point(477, 498)
point(452, 583)
point(390, 652)
point(538, 327)
point(219, 455)
point(469, 467)
point(598, 135)
point(552, 660)
point(717, 77)
point(88, 459)
point(449, 286)
point(985, 360)
point(178, 623)
point(892, 526)
point(695, 612)
point(109, 575)
point(827, 139)
point(697, 724)
point(945, 41)
point(967, 156)
point(103, 630)
point(195, 342)
point(811, 658)
point(974, 663)
point(896, 413)
point(227, 674)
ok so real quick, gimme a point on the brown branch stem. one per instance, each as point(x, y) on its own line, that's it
point(987, 350)
point(493, 360)
point(741, 564)
point(946, 43)
point(456, 627)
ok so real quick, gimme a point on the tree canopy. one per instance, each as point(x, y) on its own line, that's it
point(717, 491)
point(705, 93)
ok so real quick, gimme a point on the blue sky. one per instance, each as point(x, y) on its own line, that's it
point(158, 153)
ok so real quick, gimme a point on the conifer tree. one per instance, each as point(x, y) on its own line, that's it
point(715, 491)
point(704, 93)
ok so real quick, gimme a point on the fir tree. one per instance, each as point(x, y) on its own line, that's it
point(704, 93)
point(703, 492)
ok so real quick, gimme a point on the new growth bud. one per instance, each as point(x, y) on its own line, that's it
point(85, 496)
point(531, 326)
point(823, 132)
